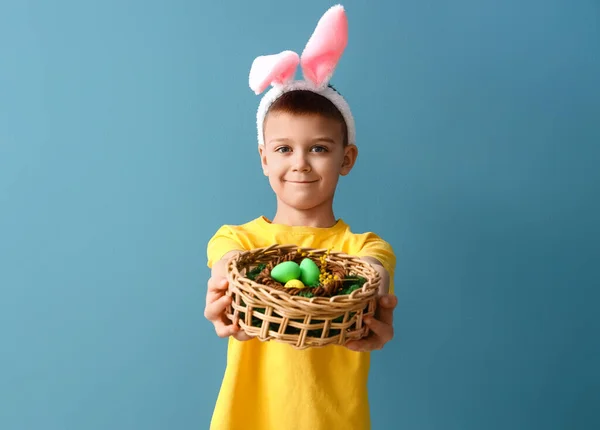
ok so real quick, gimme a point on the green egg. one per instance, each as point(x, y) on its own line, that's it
point(309, 272)
point(285, 271)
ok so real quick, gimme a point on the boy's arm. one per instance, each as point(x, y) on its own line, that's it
point(217, 301)
point(380, 255)
point(382, 325)
point(221, 247)
point(384, 287)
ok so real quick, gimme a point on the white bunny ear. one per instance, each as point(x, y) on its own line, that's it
point(325, 47)
point(276, 69)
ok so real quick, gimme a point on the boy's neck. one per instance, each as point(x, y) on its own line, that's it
point(321, 217)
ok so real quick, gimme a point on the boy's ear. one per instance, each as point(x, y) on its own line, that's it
point(350, 155)
point(263, 159)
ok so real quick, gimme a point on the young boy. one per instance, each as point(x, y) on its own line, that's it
point(306, 141)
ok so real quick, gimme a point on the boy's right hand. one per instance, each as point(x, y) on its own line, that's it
point(217, 302)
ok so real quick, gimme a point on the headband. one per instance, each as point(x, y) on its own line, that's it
point(318, 61)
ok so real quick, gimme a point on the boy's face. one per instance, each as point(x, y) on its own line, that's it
point(303, 156)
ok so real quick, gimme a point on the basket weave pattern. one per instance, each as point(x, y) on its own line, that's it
point(268, 311)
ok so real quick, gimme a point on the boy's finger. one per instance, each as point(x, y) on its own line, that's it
point(216, 289)
point(214, 310)
point(388, 301)
point(225, 330)
point(385, 313)
point(384, 331)
point(213, 296)
point(217, 285)
point(367, 344)
point(241, 335)
point(354, 345)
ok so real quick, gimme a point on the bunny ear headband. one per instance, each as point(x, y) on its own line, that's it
point(318, 61)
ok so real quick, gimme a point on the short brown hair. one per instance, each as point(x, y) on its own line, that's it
point(304, 102)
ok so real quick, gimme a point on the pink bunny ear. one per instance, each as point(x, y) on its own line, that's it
point(272, 69)
point(326, 46)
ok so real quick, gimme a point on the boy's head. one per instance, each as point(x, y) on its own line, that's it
point(306, 131)
point(305, 149)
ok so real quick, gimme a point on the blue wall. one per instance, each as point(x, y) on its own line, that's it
point(127, 138)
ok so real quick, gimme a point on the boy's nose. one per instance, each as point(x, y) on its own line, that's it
point(301, 164)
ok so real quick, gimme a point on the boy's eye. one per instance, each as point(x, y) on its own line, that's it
point(317, 148)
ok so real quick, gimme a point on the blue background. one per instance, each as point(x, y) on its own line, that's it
point(127, 138)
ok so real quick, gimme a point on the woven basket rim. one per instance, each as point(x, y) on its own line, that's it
point(369, 288)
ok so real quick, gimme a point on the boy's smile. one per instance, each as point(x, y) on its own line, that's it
point(303, 157)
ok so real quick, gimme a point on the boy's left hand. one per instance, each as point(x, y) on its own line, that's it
point(382, 327)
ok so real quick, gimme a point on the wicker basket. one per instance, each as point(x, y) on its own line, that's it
point(271, 313)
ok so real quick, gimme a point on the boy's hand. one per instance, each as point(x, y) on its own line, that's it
point(382, 327)
point(217, 302)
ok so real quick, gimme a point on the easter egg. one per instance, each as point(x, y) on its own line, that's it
point(294, 283)
point(285, 271)
point(309, 272)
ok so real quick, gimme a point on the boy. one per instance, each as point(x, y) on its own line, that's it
point(306, 141)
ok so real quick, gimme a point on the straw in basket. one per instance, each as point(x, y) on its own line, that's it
point(330, 312)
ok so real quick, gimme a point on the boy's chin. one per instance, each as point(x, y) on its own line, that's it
point(302, 204)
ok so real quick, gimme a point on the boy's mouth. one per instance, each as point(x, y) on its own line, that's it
point(301, 182)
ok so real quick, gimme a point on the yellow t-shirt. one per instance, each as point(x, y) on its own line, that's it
point(271, 386)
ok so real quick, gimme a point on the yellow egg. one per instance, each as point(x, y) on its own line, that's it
point(294, 283)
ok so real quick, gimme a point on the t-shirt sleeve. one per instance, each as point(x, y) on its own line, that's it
point(223, 241)
point(374, 246)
